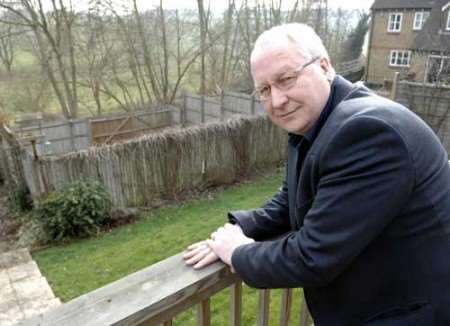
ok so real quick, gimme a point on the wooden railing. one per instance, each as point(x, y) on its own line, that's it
point(156, 294)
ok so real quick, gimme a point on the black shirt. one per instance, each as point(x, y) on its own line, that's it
point(304, 143)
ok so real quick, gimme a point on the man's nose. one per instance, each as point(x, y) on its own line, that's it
point(278, 98)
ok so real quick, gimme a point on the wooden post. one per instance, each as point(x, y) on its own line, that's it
point(204, 313)
point(252, 104)
point(4, 164)
point(222, 105)
point(183, 111)
point(88, 125)
point(304, 313)
point(394, 86)
point(72, 142)
point(285, 310)
point(264, 306)
point(41, 133)
point(33, 147)
point(236, 304)
point(203, 108)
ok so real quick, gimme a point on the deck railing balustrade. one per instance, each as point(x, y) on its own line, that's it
point(157, 294)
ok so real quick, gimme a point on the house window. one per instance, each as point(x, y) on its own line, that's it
point(420, 18)
point(395, 22)
point(400, 58)
point(438, 69)
point(448, 21)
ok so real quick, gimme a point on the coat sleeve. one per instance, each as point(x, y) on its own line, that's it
point(269, 221)
point(354, 202)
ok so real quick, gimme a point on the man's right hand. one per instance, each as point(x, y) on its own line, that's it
point(199, 255)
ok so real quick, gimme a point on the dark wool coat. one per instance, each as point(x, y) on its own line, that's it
point(365, 228)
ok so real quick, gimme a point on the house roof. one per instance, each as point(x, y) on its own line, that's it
point(403, 4)
point(434, 36)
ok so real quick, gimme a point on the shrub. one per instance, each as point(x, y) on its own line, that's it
point(79, 210)
point(21, 199)
point(31, 234)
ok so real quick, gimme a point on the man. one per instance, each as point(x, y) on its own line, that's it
point(362, 220)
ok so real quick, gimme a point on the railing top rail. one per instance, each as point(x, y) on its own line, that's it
point(155, 294)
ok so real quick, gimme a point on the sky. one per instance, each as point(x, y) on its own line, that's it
point(220, 5)
point(217, 6)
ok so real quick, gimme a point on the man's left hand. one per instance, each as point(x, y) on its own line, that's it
point(226, 239)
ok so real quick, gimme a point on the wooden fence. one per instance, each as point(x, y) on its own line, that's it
point(195, 109)
point(56, 138)
point(158, 166)
point(53, 138)
point(430, 102)
point(107, 130)
point(156, 294)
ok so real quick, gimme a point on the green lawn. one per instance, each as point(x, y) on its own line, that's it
point(85, 265)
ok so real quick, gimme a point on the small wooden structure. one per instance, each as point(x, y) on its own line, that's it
point(120, 127)
point(156, 294)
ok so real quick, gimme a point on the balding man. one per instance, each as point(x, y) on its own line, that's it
point(362, 220)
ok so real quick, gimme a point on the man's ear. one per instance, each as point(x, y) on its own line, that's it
point(327, 69)
point(325, 65)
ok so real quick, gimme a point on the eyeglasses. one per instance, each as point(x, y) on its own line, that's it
point(285, 83)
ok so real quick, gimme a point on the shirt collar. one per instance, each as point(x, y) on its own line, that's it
point(312, 133)
point(340, 88)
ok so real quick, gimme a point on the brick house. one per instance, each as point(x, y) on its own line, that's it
point(411, 37)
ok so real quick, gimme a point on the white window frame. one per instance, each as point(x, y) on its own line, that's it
point(448, 21)
point(395, 14)
point(427, 67)
point(419, 22)
point(400, 55)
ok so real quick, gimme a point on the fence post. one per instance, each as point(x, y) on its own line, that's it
point(252, 104)
point(394, 85)
point(72, 143)
point(88, 125)
point(41, 132)
point(203, 109)
point(222, 108)
point(183, 110)
point(4, 164)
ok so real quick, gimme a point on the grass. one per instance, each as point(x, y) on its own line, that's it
point(85, 265)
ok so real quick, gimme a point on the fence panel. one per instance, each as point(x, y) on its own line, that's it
point(55, 138)
point(216, 109)
point(193, 107)
point(431, 103)
point(123, 127)
point(237, 103)
point(139, 172)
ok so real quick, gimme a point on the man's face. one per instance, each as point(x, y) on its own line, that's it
point(298, 108)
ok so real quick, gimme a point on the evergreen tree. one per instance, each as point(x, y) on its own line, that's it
point(355, 41)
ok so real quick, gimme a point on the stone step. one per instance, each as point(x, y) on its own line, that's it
point(25, 292)
point(15, 257)
point(5, 246)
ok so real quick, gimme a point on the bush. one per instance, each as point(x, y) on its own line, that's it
point(21, 199)
point(31, 234)
point(79, 210)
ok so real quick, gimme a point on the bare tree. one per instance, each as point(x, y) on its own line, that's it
point(8, 34)
point(97, 45)
point(54, 36)
point(203, 30)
